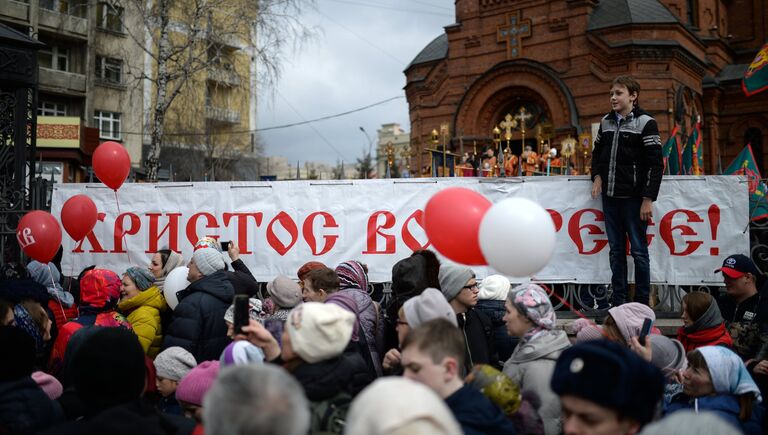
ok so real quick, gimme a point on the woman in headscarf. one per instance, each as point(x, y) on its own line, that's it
point(142, 302)
point(716, 380)
point(162, 263)
point(702, 323)
point(61, 302)
point(531, 317)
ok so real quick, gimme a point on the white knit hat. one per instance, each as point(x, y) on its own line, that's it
point(319, 331)
point(494, 287)
point(208, 261)
point(393, 403)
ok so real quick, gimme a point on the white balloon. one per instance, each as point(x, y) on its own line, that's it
point(517, 237)
point(175, 282)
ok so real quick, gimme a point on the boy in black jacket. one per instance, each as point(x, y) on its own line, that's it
point(626, 168)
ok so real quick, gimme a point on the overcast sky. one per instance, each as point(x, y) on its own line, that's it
point(356, 60)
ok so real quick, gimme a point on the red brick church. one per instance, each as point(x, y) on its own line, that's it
point(556, 59)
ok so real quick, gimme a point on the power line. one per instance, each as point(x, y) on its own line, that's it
point(327, 142)
point(276, 127)
point(388, 54)
point(378, 6)
point(433, 5)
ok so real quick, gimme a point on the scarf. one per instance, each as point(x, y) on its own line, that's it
point(715, 336)
point(25, 322)
point(728, 372)
point(48, 276)
point(174, 260)
point(710, 319)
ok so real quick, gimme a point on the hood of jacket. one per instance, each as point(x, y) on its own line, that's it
point(99, 289)
point(150, 297)
point(548, 345)
point(216, 285)
point(476, 413)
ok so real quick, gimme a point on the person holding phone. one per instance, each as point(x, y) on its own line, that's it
point(198, 321)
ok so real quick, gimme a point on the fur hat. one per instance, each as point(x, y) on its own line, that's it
point(453, 278)
point(284, 291)
point(611, 376)
point(319, 331)
point(174, 363)
point(429, 305)
point(494, 287)
point(198, 381)
point(208, 261)
point(410, 276)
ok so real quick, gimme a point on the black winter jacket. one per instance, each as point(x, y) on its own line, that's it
point(198, 321)
point(477, 329)
point(322, 380)
point(627, 155)
point(24, 408)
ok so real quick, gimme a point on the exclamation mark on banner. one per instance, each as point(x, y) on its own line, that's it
point(714, 222)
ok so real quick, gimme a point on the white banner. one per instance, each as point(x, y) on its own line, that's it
point(281, 225)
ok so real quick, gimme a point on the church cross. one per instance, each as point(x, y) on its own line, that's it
point(512, 33)
point(508, 124)
point(523, 116)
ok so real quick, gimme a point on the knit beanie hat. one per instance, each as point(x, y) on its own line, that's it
point(611, 376)
point(352, 275)
point(174, 363)
point(429, 305)
point(533, 302)
point(453, 278)
point(308, 267)
point(19, 354)
point(254, 311)
point(629, 318)
point(143, 278)
point(108, 368)
point(50, 385)
point(319, 331)
point(668, 355)
point(241, 352)
point(198, 381)
point(285, 292)
point(208, 261)
point(494, 287)
point(208, 242)
point(394, 402)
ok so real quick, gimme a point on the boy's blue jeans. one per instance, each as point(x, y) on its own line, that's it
point(622, 221)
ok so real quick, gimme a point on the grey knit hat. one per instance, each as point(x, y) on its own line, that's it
point(429, 305)
point(174, 363)
point(453, 278)
point(208, 261)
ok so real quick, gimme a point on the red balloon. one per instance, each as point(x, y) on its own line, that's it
point(78, 216)
point(112, 164)
point(452, 222)
point(39, 235)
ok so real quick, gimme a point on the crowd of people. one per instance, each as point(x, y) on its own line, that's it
point(447, 354)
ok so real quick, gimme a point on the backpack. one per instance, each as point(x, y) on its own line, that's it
point(330, 416)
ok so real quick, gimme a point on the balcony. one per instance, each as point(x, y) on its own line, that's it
point(62, 82)
point(224, 76)
point(16, 11)
point(222, 115)
point(69, 25)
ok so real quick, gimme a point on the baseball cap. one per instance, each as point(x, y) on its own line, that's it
point(735, 266)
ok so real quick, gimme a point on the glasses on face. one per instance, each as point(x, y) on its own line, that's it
point(470, 287)
point(401, 322)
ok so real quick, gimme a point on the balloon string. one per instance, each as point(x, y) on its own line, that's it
point(125, 243)
point(570, 307)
